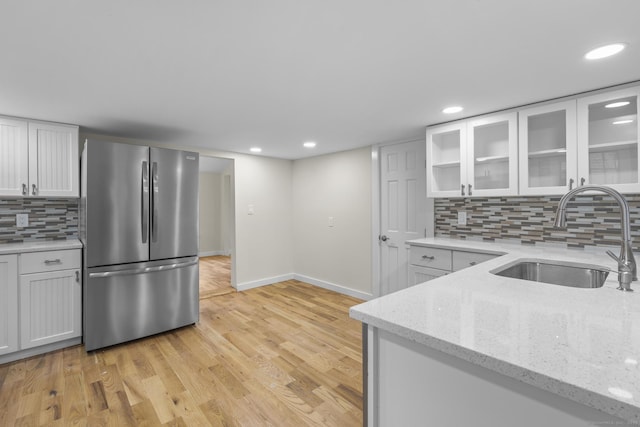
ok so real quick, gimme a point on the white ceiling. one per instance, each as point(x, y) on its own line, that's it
point(235, 74)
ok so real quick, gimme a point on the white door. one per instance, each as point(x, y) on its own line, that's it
point(8, 303)
point(14, 157)
point(54, 163)
point(50, 307)
point(403, 210)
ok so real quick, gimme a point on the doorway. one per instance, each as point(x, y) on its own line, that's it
point(216, 226)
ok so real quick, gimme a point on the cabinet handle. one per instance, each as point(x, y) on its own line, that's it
point(462, 189)
point(571, 184)
point(469, 189)
point(34, 190)
point(24, 189)
point(473, 263)
point(52, 261)
point(77, 276)
point(582, 180)
point(428, 257)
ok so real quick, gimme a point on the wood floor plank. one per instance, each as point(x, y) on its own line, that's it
point(281, 355)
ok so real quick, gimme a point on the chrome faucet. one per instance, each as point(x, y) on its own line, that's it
point(627, 270)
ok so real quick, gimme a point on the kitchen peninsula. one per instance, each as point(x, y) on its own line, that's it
point(525, 353)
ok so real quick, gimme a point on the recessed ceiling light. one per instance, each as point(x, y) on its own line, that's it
point(617, 104)
point(605, 51)
point(452, 110)
point(622, 122)
point(255, 150)
point(309, 144)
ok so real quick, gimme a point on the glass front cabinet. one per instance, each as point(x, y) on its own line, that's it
point(476, 157)
point(548, 151)
point(608, 140)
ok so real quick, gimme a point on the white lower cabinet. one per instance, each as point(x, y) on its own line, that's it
point(427, 263)
point(40, 302)
point(8, 306)
point(419, 274)
point(50, 307)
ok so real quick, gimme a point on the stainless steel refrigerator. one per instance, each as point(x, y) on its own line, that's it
point(139, 225)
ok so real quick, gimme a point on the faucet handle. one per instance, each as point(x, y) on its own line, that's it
point(625, 276)
point(620, 262)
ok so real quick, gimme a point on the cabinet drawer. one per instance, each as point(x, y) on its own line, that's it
point(37, 262)
point(467, 259)
point(430, 257)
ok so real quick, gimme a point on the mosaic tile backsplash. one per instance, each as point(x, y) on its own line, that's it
point(591, 220)
point(49, 219)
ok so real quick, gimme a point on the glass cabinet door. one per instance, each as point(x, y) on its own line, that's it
point(548, 157)
point(608, 140)
point(492, 155)
point(445, 160)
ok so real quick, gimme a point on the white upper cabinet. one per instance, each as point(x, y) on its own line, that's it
point(608, 131)
point(14, 157)
point(475, 157)
point(38, 159)
point(548, 151)
point(446, 158)
point(54, 164)
point(492, 155)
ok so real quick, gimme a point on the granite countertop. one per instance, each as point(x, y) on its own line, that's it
point(39, 246)
point(583, 344)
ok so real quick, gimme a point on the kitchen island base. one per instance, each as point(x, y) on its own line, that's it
point(410, 384)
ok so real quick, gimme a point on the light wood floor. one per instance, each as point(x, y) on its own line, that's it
point(215, 276)
point(281, 355)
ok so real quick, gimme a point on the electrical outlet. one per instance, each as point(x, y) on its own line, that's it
point(22, 220)
point(462, 218)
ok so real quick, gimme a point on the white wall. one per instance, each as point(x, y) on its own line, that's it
point(210, 214)
point(264, 242)
point(335, 185)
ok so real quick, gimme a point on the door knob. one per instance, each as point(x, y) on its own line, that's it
point(383, 238)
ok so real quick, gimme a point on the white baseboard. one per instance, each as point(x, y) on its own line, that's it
point(212, 253)
point(263, 282)
point(316, 282)
point(333, 287)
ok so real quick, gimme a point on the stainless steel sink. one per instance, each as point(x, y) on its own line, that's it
point(555, 272)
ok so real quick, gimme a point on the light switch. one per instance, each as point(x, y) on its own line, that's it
point(330, 222)
point(22, 220)
point(250, 210)
point(462, 218)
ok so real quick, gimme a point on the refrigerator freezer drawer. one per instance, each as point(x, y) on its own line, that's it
point(139, 300)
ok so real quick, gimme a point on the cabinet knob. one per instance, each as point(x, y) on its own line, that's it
point(472, 263)
point(571, 184)
point(582, 180)
point(34, 190)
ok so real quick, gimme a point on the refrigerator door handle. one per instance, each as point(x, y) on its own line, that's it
point(129, 272)
point(154, 209)
point(144, 215)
